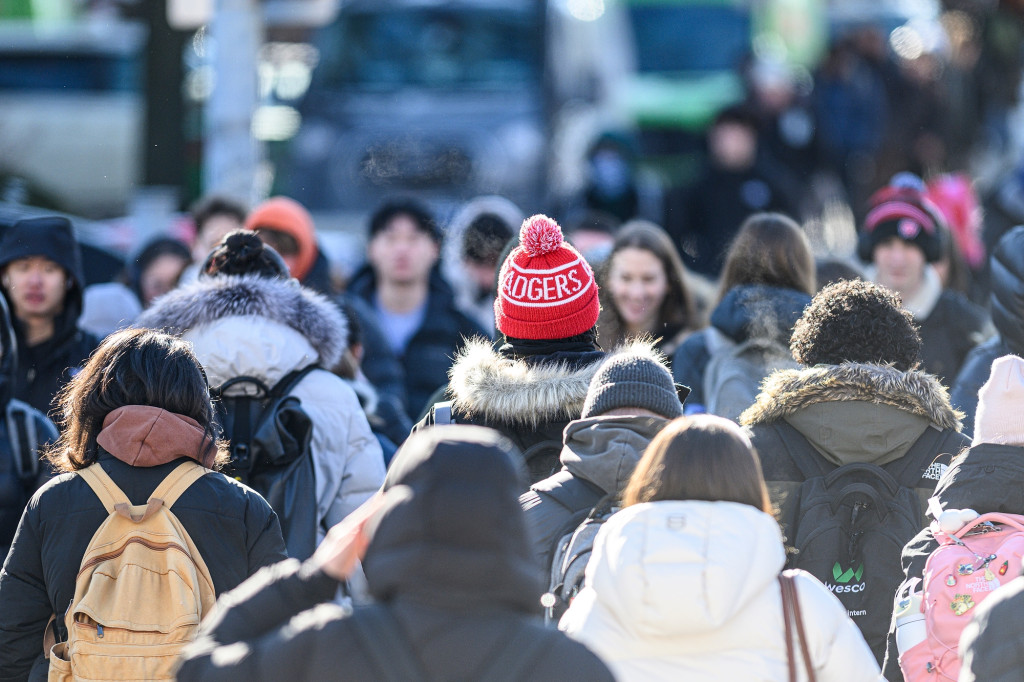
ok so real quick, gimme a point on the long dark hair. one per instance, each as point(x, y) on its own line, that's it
point(676, 312)
point(699, 458)
point(130, 367)
point(769, 249)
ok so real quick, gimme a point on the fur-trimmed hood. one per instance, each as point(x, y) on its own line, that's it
point(786, 392)
point(483, 382)
point(210, 299)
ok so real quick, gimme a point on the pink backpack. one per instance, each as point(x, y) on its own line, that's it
point(967, 566)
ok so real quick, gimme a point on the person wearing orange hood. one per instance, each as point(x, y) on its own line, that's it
point(287, 227)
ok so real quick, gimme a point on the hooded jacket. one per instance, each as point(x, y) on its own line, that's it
point(430, 350)
point(1007, 304)
point(234, 529)
point(45, 367)
point(449, 560)
point(688, 590)
point(530, 399)
point(246, 325)
point(851, 413)
point(987, 478)
point(598, 457)
point(746, 311)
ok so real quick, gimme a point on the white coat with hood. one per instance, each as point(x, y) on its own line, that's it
point(265, 328)
point(688, 590)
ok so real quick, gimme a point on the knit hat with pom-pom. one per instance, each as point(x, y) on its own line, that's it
point(546, 289)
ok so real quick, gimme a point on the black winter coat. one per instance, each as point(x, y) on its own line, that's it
point(1007, 281)
point(951, 330)
point(429, 353)
point(449, 561)
point(233, 528)
point(987, 478)
point(43, 369)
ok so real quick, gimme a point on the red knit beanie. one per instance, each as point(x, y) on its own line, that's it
point(546, 289)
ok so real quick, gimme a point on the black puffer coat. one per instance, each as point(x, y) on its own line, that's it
point(233, 528)
point(1007, 281)
point(449, 562)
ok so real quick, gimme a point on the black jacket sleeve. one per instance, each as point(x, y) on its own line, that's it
point(245, 637)
point(24, 604)
point(265, 541)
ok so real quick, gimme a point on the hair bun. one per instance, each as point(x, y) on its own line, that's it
point(242, 252)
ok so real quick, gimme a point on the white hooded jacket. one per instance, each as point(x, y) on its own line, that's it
point(688, 590)
point(265, 328)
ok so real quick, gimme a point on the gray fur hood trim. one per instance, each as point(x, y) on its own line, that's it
point(283, 301)
point(787, 391)
point(483, 382)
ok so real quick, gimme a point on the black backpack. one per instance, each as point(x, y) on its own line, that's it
point(849, 524)
point(269, 438)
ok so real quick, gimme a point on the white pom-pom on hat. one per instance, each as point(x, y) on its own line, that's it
point(540, 235)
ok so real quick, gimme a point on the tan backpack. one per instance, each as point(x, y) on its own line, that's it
point(141, 591)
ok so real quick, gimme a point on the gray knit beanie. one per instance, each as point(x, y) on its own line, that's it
point(630, 379)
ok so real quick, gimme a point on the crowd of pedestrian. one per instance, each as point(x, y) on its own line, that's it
point(521, 465)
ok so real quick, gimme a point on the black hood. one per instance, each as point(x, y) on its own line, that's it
point(1007, 264)
point(52, 238)
point(759, 311)
point(451, 533)
point(8, 354)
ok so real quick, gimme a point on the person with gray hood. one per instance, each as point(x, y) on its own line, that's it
point(447, 558)
point(629, 400)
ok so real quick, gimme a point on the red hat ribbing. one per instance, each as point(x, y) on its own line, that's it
point(546, 289)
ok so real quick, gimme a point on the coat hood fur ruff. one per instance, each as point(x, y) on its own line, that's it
point(511, 391)
point(211, 298)
point(788, 391)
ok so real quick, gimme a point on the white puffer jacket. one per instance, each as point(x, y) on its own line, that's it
point(266, 328)
point(689, 591)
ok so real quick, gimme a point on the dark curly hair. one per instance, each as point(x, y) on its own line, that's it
point(856, 321)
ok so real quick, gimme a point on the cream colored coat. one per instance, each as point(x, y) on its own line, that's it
point(688, 591)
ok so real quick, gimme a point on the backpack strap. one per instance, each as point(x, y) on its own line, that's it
point(115, 501)
point(907, 470)
point(290, 380)
point(21, 432)
point(177, 482)
point(104, 487)
point(808, 461)
point(382, 639)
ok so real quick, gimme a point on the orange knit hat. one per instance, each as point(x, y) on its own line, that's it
point(289, 216)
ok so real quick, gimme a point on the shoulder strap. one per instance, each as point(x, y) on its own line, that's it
point(794, 616)
point(178, 481)
point(385, 643)
point(21, 432)
point(104, 487)
point(907, 470)
point(808, 460)
point(443, 413)
point(289, 381)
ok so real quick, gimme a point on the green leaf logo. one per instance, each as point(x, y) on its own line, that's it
point(846, 576)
